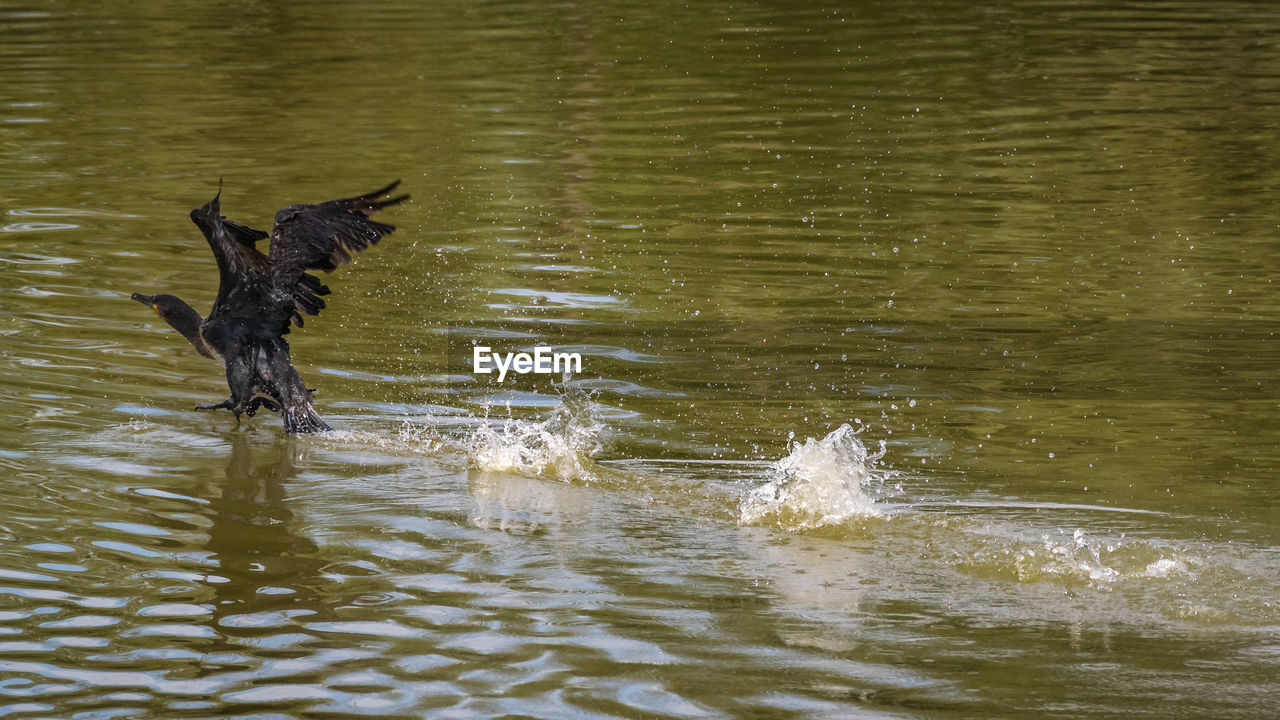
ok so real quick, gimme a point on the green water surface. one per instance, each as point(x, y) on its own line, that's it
point(1029, 247)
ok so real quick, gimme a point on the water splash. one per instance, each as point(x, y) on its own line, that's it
point(819, 483)
point(559, 446)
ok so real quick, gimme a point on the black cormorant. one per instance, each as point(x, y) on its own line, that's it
point(259, 295)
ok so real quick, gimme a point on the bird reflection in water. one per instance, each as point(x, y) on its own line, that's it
point(268, 565)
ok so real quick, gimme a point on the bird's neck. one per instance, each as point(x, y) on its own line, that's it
point(187, 321)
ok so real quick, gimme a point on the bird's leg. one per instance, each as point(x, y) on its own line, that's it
point(240, 380)
point(217, 406)
point(261, 401)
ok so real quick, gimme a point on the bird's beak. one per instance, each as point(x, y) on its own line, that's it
point(148, 300)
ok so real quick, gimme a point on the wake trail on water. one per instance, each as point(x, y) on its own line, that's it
point(831, 488)
point(836, 488)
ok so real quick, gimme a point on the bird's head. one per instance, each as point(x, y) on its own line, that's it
point(172, 310)
point(158, 303)
point(206, 217)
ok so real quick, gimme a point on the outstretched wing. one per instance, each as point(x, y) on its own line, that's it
point(244, 275)
point(322, 237)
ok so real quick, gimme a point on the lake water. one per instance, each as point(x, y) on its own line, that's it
point(929, 362)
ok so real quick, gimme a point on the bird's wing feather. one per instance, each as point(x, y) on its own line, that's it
point(322, 237)
point(244, 235)
point(244, 273)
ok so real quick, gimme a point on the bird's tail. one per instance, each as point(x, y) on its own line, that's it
point(303, 418)
point(300, 415)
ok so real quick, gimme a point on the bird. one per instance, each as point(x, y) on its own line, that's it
point(261, 295)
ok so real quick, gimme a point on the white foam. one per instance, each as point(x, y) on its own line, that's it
point(819, 482)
